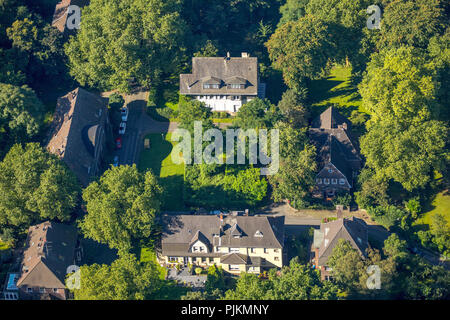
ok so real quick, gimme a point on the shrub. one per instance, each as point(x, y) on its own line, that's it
point(198, 271)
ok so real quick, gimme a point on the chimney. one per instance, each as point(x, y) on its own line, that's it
point(245, 55)
point(246, 212)
point(221, 218)
point(228, 56)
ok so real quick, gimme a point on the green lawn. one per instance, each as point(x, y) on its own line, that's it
point(440, 204)
point(148, 255)
point(335, 89)
point(158, 159)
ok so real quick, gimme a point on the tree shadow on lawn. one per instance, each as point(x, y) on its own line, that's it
point(153, 158)
point(320, 90)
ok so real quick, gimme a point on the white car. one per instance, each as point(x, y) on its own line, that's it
point(124, 113)
point(116, 161)
point(122, 127)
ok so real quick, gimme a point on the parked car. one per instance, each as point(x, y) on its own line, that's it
point(116, 161)
point(122, 127)
point(124, 113)
point(119, 143)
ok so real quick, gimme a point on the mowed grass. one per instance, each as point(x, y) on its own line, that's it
point(148, 255)
point(336, 89)
point(441, 205)
point(158, 159)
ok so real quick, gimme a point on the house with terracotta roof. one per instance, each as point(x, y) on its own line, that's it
point(338, 158)
point(50, 248)
point(237, 243)
point(353, 230)
point(79, 132)
point(223, 83)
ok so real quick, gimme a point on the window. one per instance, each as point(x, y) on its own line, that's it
point(265, 250)
point(330, 170)
point(237, 86)
point(341, 181)
point(333, 181)
point(173, 259)
point(234, 267)
point(252, 250)
point(29, 290)
point(326, 181)
point(277, 258)
point(55, 290)
point(195, 249)
point(202, 249)
point(319, 180)
point(203, 260)
point(234, 250)
point(41, 290)
point(275, 250)
point(217, 249)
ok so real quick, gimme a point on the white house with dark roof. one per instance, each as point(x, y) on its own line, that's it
point(223, 83)
point(235, 243)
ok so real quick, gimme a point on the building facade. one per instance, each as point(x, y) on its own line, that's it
point(236, 243)
point(223, 84)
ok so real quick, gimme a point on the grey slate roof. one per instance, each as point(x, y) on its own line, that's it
point(352, 229)
point(329, 133)
point(50, 250)
point(220, 70)
point(182, 229)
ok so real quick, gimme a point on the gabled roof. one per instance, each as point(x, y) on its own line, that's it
point(330, 119)
point(75, 130)
point(211, 80)
point(241, 70)
point(329, 133)
point(353, 230)
point(200, 237)
point(234, 258)
point(50, 250)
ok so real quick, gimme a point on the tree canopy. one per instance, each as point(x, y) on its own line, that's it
point(125, 40)
point(35, 185)
point(125, 279)
point(121, 207)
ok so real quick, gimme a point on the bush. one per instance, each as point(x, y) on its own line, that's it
point(198, 271)
point(343, 199)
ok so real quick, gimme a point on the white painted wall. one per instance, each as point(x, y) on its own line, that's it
point(222, 103)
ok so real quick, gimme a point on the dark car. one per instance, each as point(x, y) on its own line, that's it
point(119, 143)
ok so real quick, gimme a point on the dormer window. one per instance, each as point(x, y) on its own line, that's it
point(258, 234)
point(210, 86)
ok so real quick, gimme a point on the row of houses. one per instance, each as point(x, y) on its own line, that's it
point(235, 242)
